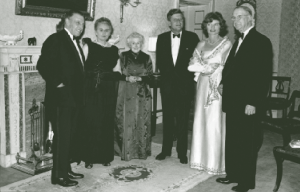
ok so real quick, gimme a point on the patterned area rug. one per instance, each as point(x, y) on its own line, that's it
point(136, 175)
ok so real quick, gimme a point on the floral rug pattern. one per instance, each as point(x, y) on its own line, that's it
point(136, 175)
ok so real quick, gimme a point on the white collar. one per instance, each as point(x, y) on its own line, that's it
point(69, 33)
point(247, 31)
point(174, 34)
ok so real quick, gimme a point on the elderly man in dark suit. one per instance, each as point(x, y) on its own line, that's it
point(173, 52)
point(245, 83)
point(61, 65)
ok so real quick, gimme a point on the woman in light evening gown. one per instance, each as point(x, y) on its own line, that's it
point(208, 142)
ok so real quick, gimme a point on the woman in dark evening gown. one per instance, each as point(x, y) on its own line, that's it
point(133, 112)
point(100, 96)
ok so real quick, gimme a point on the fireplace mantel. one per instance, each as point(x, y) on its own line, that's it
point(15, 63)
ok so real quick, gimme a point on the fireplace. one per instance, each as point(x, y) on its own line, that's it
point(20, 83)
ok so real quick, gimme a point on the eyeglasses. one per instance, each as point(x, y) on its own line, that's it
point(239, 17)
point(178, 20)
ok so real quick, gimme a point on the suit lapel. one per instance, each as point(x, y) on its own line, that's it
point(74, 50)
point(245, 42)
point(233, 49)
point(181, 47)
point(169, 47)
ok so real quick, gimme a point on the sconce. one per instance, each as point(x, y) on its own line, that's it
point(126, 3)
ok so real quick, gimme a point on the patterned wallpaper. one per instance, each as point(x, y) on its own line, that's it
point(149, 19)
point(268, 23)
point(289, 57)
point(225, 7)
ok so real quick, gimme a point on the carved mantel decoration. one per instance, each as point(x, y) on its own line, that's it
point(12, 39)
point(17, 68)
point(55, 8)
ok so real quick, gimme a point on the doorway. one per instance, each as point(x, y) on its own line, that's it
point(194, 12)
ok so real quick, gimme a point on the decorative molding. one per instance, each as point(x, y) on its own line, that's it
point(13, 58)
point(21, 108)
point(7, 115)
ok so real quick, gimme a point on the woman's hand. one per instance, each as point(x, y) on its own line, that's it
point(196, 67)
point(131, 79)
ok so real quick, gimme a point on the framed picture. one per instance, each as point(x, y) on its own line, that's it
point(55, 8)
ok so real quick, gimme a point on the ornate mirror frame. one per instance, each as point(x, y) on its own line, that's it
point(23, 8)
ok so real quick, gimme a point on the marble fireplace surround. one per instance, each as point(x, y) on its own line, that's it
point(19, 84)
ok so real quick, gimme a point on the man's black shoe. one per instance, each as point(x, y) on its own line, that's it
point(240, 189)
point(73, 175)
point(225, 180)
point(64, 182)
point(183, 159)
point(106, 164)
point(161, 156)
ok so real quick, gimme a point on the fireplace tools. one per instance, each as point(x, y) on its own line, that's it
point(38, 161)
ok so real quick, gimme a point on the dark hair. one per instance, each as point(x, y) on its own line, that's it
point(71, 12)
point(214, 16)
point(173, 12)
point(60, 26)
point(106, 21)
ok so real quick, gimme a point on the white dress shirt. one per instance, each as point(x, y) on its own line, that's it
point(241, 40)
point(74, 41)
point(175, 46)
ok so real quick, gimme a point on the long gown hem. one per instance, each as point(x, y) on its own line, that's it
point(208, 170)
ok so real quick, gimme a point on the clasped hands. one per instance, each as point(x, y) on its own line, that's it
point(133, 79)
point(249, 109)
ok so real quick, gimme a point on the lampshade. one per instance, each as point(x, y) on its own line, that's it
point(152, 44)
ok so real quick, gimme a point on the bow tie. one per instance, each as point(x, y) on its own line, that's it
point(75, 38)
point(241, 35)
point(176, 35)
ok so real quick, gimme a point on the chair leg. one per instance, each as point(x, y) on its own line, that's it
point(279, 161)
point(286, 138)
point(284, 113)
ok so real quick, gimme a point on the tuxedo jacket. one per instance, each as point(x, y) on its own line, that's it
point(176, 74)
point(247, 73)
point(60, 63)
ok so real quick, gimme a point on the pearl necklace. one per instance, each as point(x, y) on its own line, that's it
point(214, 42)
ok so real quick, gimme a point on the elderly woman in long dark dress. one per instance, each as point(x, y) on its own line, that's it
point(100, 95)
point(133, 111)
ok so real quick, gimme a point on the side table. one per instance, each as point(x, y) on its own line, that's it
point(155, 84)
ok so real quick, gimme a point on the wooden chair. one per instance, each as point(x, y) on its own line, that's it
point(281, 154)
point(282, 91)
point(287, 127)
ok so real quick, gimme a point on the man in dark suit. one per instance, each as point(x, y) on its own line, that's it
point(246, 78)
point(61, 65)
point(173, 52)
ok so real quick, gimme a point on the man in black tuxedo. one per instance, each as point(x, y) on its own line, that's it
point(173, 52)
point(61, 66)
point(245, 83)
